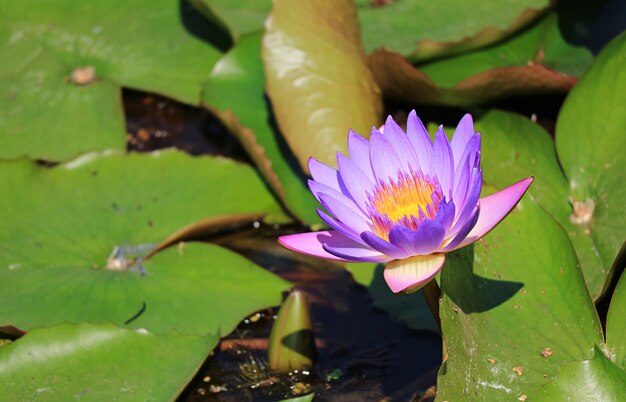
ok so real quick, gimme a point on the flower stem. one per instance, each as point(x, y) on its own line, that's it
point(432, 294)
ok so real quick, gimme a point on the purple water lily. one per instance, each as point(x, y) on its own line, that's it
point(403, 199)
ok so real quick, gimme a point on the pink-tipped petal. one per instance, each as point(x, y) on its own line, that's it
point(412, 273)
point(494, 208)
point(315, 244)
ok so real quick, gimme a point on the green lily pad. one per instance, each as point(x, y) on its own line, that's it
point(235, 93)
point(595, 380)
point(514, 147)
point(64, 64)
point(424, 29)
point(616, 324)
point(73, 237)
point(589, 140)
point(514, 310)
point(98, 363)
point(537, 61)
point(240, 17)
point(317, 78)
point(541, 49)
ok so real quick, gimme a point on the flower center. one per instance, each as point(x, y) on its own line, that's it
point(408, 200)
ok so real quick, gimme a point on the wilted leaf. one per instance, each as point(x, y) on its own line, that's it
point(317, 79)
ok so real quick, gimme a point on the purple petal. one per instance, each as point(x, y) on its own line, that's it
point(445, 214)
point(310, 243)
point(442, 165)
point(383, 246)
point(324, 174)
point(470, 203)
point(318, 188)
point(420, 140)
point(359, 151)
point(355, 254)
point(385, 161)
point(340, 227)
point(463, 231)
point(462, 183)
point(425, 240)
point(345, 214)
point(356, 182)
point(471, 152)
point(412, 273)
point(400, 143)
point(494, 208)
point(464, 131)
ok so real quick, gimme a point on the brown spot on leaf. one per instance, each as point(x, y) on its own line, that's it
point(523, 397)
point(518, 370)
point(583, 211)
point(491, 361)
point(83, 75)
point(546, 352)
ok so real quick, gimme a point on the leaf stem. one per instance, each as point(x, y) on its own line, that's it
point(432, 294)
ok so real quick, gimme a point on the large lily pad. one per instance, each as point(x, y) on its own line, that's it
point(589, 140)
point(514, 310)
point(98, 363)
point(64, 63)
point(235, 93)
point(515, 147)
point(62, 224)
point(616, 324)
point(536, 61)
point(317, 79)
point(423, 29)
point(594, 380)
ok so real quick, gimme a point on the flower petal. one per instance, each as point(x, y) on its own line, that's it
point(412, 273)
point(494, 208)
point(310, 243)
point(464, 211)
point(346, 215)
point(383, 246)
point(317, 189)
point(442, 163)
point(400, 143)
point(464, 131)
point(355, 253)
point(471, 152)
point(359, 151)
point(356, 182)
point(324, 174)
point(425, 240)
point(420, 140)
point(385, 161)
point(466, 227)
point(340, 227)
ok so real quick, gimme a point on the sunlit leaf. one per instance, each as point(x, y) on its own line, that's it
point(64, 62)
point(98, 363)
point(595, 380)
point(423, 29)
point(514, 310)
point(73, 236)
point(235, 92)
point(590, 141)
point(317, 79)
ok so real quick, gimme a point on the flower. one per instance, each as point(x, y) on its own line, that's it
point(404, 199)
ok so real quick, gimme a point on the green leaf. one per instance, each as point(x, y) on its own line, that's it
point(537, 61)
point(46, 115)
point(241, 17)
point(317, 79)
point(514, 148)
point(235, 93)
point(541, 49)
point(514, 310)
point(590, 141)
point(424, 29)
point(99, 363)
point(595, 380)
point(616, 324)
point(62, 224)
